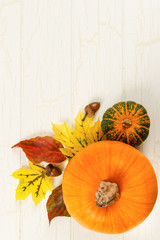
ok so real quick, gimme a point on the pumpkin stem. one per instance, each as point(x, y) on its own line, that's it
point(107, 194)
point(126, 123)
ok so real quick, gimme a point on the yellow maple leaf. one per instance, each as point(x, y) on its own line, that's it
point(76, 139)
point(63, 134)
point(95, 133)
point(67, 152)
point(83, 129)
point(83, 126)
point(32, 180)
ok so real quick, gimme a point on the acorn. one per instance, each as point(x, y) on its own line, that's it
point(91, 109)
point(52, 171)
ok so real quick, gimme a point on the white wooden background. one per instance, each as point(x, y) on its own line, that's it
point(55, 57)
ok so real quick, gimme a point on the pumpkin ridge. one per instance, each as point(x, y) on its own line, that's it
point(143, 115)
point(111, 119)
point(136, 202)
point(135, 107)
point(122, 223)
point(128, 167)
point(145, 181)
point(126, 109)
point(127, 137)
point(88, 166)
point(120, 136)
point(139, 108)
point(136, 114)
point(142, 126)
point(117, 111)
point(137, 135)
point(76, 176)
point(94, 171)
point(112, 132)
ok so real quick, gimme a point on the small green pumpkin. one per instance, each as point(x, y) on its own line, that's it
point(127, 122)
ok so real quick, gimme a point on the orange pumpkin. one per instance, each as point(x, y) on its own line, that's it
point(109, 187)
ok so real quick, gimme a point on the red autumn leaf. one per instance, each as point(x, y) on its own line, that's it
point(55, 204)
point(42, 149)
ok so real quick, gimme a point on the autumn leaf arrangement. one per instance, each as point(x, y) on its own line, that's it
point(91, 159)
point(46, 154)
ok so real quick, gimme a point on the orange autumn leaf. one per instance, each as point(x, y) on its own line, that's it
point(40, 149)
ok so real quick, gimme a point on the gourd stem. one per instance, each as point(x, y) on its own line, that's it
point(106, 194)
point(126, 123)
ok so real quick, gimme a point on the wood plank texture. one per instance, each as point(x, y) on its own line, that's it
point(46, 93)
point(55, 57)
point(10, 82)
